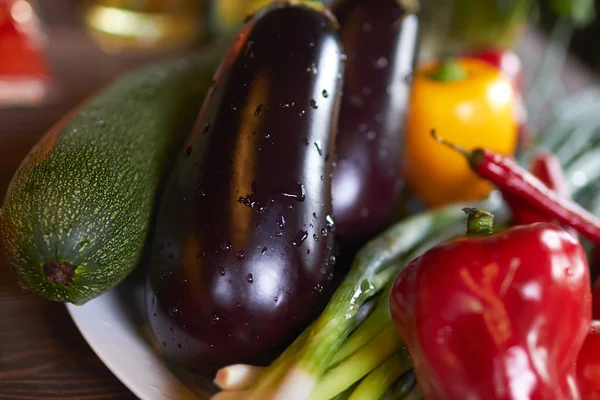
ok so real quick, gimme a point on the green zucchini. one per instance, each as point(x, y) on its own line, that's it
point(79, 208)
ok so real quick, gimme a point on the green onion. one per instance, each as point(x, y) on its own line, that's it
point(368, 330)
point(237, 377)
point(337, 320)
point(374, 385)
point(346, 394)
point(359, 364)
point(401, 388)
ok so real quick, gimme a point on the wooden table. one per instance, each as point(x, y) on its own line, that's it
point(42, 355)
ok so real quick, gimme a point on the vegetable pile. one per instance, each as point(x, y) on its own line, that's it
point(324, 217)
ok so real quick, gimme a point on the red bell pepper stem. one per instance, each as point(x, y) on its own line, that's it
point(479, 222)
point(511, 178)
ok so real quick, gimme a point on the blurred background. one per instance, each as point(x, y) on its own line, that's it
point(57, 52)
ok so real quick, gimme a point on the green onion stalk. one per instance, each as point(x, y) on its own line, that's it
point(400, 389)
point(331, 329)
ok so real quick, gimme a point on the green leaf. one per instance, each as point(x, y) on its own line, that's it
point(582, 12)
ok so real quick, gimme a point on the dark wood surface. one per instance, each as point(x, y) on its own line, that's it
point(42, 355)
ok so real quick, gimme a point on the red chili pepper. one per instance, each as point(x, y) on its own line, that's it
point(596, 299)
point(500, 316)
point(546, 167)
point(588, 364)
point(514, 180)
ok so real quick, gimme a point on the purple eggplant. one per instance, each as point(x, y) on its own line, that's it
point(242, 256)
point(380, 41)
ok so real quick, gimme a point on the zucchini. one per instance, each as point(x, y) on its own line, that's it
point(78, 211)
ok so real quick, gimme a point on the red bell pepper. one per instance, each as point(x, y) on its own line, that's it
point(499, 316)
point(588, 364)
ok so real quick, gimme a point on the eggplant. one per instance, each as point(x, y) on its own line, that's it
point(380, 41)
point(242, 256)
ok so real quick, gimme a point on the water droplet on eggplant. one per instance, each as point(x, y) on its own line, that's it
point(329, 222)
point(225, 246)
point(381, 63)
point(280, 221)
point(319, 149)
point(214, 318)
point(296, 192)
point(300, 238)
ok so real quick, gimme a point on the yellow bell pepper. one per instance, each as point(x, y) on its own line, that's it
point(467, 102)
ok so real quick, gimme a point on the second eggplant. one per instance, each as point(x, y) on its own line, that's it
point(380, 40)
point(242, 258)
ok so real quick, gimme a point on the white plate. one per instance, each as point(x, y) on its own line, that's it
point(114, 326)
